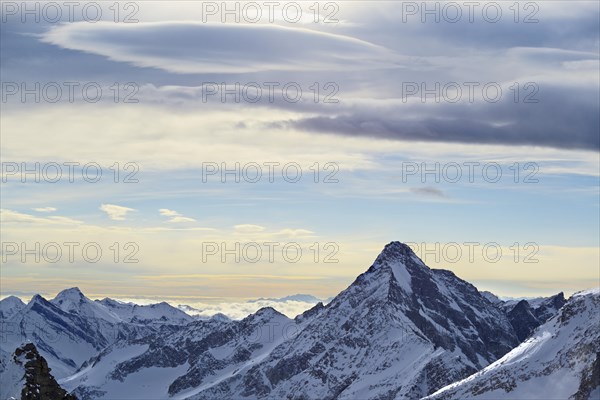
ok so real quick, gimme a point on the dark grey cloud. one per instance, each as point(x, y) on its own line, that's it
point(157, 55)
point(564, 118)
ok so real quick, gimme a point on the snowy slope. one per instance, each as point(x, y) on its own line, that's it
point(65, 339)
point(183, 362)
point(491, 297)
point(148, 384)
point(401, 329)
point(73, 301)
point(10, 306)
point(12, 376)
point(25, 374)
point(70, 329)
point(561, 360)
point(160, 313)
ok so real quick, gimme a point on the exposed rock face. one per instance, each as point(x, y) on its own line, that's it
point(70, 329)
point(39, 383)
point(525, 316)
point(523, 320)
point(400, 330)
point(195, 356)
point(560, 360)
point(309, 314)
point(590, 381)
point(549, 307)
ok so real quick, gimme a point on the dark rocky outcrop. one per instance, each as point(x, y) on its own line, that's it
point(525, 318)
point(39, 382)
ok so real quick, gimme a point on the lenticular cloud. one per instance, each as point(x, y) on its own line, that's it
point(190, 47)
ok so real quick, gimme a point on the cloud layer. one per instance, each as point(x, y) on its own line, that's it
point(194, 48)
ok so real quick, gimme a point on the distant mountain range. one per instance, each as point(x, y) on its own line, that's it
point(400, 331)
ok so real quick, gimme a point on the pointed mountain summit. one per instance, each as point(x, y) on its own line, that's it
point(526, 315)
point(65, 339)
point(37, 299)
point(70, 293)
point(72, 300)
point(266, 312)
point(399, 259)
point(397, 251)
point(70, 329)
point(400, 330)
point(548, 308)
point(405, 329)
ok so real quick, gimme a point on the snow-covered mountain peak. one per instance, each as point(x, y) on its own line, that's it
point(9, 306)
point(107, 301)
point(578, 305)
point(37, 299)
point(69, 297)
point(396, 252)
point(11, 301)
point(160, 305)
point(399, 259)
point(141, 314)
point(220, 317)
point(74, 301)
point(265, 314)
point(400, 331)
point(405, 329)
point(70, 293)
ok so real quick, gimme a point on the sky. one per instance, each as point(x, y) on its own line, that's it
point(211, 153)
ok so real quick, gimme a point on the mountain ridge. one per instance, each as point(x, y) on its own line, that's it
point(566, 360)
point(399, 330)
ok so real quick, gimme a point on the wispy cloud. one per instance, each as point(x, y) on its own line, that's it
point(10, 216)
point(174, 216)
point(44, 209)
point(115, 212)
point(249, 228)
